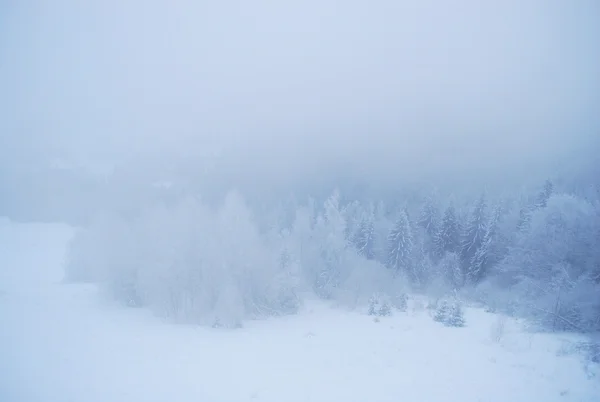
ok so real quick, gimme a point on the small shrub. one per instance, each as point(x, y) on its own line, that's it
point(449, 313)
point(379, 305)
point(490, 309)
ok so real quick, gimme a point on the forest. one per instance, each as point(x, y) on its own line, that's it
point(533, 255)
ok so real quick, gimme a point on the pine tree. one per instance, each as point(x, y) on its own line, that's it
point(544, 195)
point(541, 201)
point(422, 266)
point(429, 218)
point(503, 236)
point(447, 238)
point(365, 239)
point(479, 262)
point(449, 271)
point(473, 237)
point(330, 229)
point(449, 312)
point(400, 244)
point(485, 256)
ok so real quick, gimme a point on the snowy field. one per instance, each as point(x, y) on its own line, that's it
point(63, 342)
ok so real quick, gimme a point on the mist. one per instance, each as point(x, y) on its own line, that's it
point(316, 191)
point(302, 91)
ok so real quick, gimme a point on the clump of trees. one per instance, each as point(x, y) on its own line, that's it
point(449, 312)
point(533, 255)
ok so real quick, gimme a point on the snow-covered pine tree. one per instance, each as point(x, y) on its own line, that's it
point(400, 244)
point(484, 256)
point(330, 230)
point(541, 200)
point(365, 239)
point(450, 272)
point(422, 267)
point(449, 312)
point(479, 262)
point(353, 213)
point(447, 238)
point(502, 221)
point(527, 210)
point(549, 266)
point(429, 217)
point(381, 228)
point(473, 239)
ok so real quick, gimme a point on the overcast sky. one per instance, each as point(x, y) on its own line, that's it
point(288, 88)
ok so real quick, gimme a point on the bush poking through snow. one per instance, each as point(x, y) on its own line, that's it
point(379, 305)
point(449, 312)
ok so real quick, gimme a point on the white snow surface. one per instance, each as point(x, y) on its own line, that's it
point(64, 342)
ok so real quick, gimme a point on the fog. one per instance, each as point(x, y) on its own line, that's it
point(326, 187)
point(297, 91)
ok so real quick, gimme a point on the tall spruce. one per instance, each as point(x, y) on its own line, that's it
point(447, 239)
point(400, 244)
point(429, 217)
point(365, 238)
point(543, 196)
point(473, 236)
point(485, 256)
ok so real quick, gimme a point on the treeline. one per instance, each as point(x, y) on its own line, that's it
point(534, 255)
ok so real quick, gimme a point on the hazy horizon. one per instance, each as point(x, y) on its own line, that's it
point(291, 91)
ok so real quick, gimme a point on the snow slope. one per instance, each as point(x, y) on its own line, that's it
point(62, 342)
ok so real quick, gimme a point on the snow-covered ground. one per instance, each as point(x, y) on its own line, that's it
point(63, 342)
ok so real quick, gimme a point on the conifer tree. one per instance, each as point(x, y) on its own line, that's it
point(544, 195)
point(473, 235)
point(429, 218)
point(400, 244)
point(447, 238)
point(365, 239)
point(488, 253)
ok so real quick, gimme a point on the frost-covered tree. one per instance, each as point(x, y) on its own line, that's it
point(382, 226)
point(500, 234)
point(492, 249)
point(191, 263)
point(533, 204)
point(354, 214)
point(449, 312)
point(422, 267)
point(447, 239)
point(479, 263)
point(471, 251)
point(449, 274)
point(541, 200)
point(380, 305)
point(429, 217)
point(365, 238)
point(400, 245)
point(551, 264)
point(329, 240)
